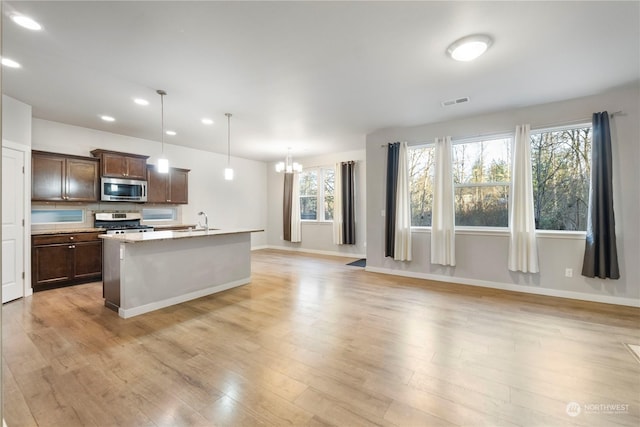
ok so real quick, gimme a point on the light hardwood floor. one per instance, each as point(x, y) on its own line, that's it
point(313, 342)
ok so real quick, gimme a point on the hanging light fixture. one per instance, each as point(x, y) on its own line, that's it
point(288, 166)
point(228, 172)
point(163, 162)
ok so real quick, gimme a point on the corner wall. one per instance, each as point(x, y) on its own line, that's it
point(482, 257)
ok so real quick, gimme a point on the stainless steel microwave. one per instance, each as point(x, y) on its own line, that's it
point(123, 190)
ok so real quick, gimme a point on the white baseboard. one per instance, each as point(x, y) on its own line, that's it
point(146, 308)
point(257, 248)
point(318, 252)
point(607, 299)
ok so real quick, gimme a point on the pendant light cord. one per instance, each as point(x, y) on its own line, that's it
point(228, 138)
point(162, 93)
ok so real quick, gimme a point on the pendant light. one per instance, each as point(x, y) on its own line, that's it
point(288, 166)
point(163, 162)
point(228, 172)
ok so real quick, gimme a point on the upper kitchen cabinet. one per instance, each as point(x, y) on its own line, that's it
point(172, 187)
point(63, 178)
point(121, 165)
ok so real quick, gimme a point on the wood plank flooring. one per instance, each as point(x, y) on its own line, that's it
point(313, 342)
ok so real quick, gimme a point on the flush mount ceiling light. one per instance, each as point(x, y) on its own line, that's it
point(26, 22)
point(288, 166)
point(107, 118)
point(171, 132)
point(469, 48)
point(163, 162)
point(228, 172)
point(207, 121)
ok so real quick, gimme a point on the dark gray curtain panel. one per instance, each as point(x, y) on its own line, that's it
point(287, 200)
point(390, 205)
point(348, 202)
point(601, 254)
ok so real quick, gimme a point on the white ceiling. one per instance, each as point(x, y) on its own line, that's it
point(314, 76)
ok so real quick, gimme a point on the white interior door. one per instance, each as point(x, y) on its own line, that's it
point(13, 261)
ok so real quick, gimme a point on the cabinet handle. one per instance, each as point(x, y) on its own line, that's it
point(72, 246)
point(71, 238)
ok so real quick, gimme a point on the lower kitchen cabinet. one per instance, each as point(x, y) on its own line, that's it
point(65, 259)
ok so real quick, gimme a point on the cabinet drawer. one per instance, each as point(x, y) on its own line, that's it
point(52, 239)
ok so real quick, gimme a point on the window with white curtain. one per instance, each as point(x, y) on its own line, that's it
point(561, 171)
point(316, 194)
point(561, 168)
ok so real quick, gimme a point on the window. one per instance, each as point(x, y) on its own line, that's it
point(561, 170)
point(56, 216)
point(481, 182)
point(481, 179)
point(316, 200)
point(421, 171)
point(159, 214)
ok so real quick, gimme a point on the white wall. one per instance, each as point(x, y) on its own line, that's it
point(482, 258)
point(229, 204)
point(318, 237)
point(16, 121)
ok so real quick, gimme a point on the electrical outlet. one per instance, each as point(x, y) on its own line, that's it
point(568, 272)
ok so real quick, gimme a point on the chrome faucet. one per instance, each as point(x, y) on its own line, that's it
point(206, 220)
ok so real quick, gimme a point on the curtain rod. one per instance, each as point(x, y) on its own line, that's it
point(541, 126)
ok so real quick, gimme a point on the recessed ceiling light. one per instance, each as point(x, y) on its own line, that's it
point(207, 121)
point(469, 48)
point(26, 22)
point(171, 132)
point(141, 101)
point(108, 118)
point(10, 63)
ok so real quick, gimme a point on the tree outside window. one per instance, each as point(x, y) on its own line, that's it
point(309, 195)
point(481, 177)
point(561, 172)
point(316, 201)
point(421, 172)
point(561, 168)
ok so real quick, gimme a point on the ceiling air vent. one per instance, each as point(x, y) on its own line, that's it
point(455, 101)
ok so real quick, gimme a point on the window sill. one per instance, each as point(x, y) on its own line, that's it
point(310, 222)
point(496, 231)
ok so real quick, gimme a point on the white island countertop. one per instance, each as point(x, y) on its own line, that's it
point(152, 236)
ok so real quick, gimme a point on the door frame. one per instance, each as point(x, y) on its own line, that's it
point(26, 190)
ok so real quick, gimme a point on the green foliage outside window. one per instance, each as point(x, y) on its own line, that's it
point(561, 167)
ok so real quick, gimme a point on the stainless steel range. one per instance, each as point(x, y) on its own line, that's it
point(121, 222)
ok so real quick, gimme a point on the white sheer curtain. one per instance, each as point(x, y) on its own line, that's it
point(338, 221)
point(443, 243)
point(523, 249)
point(403, 208)
point(296, 235)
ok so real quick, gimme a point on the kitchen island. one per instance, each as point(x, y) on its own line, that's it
point(143, 272)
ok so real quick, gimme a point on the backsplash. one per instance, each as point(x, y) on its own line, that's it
point(89, 209)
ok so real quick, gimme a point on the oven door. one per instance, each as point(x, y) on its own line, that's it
point(123, 190)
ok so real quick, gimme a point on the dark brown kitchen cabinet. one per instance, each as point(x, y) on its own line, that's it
point(121, 165)
point(63, 178)
point(65, 259)
point(172, 187)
